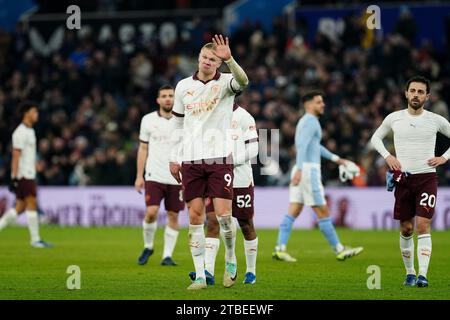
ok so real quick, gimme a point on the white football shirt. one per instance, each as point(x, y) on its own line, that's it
point(243, 131)
point(156, 131)
point(24, 139)
point(414, 138)
point(207, 108)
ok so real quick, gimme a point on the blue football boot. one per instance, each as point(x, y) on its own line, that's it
point(250, 278)
point(410, 280)
point(422, 282)
point(210, 280)
point(146, 253)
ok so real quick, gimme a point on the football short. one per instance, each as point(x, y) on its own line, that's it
point(310, 190)
point(26, 188)
point(416, 196)
point(201, 180)
point(243, 203)
point(172, 195)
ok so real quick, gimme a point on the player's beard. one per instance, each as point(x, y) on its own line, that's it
point(167, 108)
point(415, 106)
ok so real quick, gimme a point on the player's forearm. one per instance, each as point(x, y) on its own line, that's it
point(15, 163)
point(446, 154)
point(240, 77)
point(141, 158)
point(327, 154)
point(377, 143)
point(301, 156)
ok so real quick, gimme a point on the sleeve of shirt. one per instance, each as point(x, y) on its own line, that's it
point(444, 128)
point(249, 130)
point(144, 132)
point(380, 133)
point(238, 80)
point(327, 154)
point(18, 140)
point(303, 138)
point(178, 106)
point(178, 124)
point(250, 137)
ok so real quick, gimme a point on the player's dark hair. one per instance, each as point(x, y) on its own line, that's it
point(165, 87)
point(419, 79)
point(310, 95)
point(26, 106)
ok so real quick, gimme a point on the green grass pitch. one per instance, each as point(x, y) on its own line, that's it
point(107, 259)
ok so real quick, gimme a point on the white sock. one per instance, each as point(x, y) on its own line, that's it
point(33, 225)
point(338, 248)
point(9, 217)
point(407, 250)
point(149, 230)
point(423, 253)
point(211, 248)
point(170, 240)
point(251, 251)
point(197, 245)
point(228, 233)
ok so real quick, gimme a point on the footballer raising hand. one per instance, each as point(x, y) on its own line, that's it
point(222, 50)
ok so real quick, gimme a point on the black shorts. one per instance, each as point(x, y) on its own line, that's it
point(172, 195)
point(243, 204)
point(416, 197)
point(26, 188)
point(201, 180)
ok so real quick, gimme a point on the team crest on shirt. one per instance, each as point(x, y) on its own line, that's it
point(252, 128)
point(215, 88)
point(234, 124)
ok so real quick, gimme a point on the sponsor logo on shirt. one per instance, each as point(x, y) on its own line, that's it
point(199, 107)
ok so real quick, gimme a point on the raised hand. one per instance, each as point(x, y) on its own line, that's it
point(222, 47)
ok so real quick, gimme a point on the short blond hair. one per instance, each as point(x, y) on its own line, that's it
point(209, 45)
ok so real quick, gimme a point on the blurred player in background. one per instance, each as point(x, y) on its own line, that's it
point(306, 185)
point(23, 174)
point(413, 173)
point(154, 150)
point(203, 108)
point(245, 147)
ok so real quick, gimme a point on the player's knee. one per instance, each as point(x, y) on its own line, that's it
point(213, 230)
point(294, 209)
point(212, 226)
point(321, 211)
point(407, 229)
point(172, 219)
point(31, 203)
point(20, 207)
point(151, 214)
point(422, 228)
point(248, 230)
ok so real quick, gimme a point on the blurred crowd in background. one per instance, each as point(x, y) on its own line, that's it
point(92, 94)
